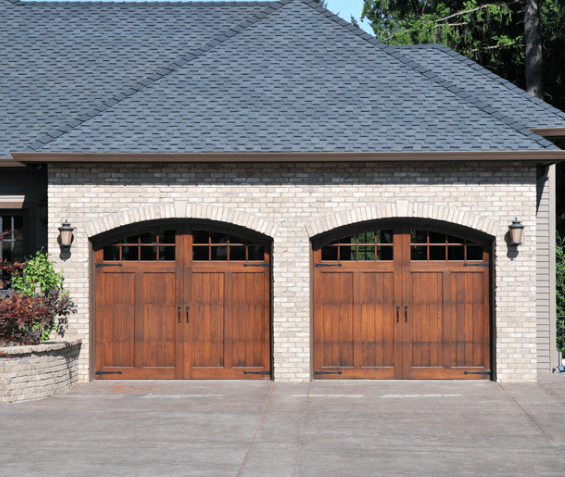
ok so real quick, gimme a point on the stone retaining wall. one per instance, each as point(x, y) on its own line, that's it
point(33, 372)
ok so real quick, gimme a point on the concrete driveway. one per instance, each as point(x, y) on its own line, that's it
point(261, 428)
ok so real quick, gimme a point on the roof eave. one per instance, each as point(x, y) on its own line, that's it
point(547, 157)
point(9, 162)
point(549, 132)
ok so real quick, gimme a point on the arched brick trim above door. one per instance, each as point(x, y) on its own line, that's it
point(182, 210)
point(403, 209)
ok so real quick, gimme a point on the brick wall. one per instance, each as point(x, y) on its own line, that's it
point(33, 372)
point(293, 202)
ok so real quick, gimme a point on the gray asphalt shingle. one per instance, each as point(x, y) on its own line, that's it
point(59, 60)
point(499, 93)
point(229, 77)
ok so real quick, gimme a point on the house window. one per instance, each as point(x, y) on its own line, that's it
point(12, 236)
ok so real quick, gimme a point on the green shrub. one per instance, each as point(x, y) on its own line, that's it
point(27, 317)
point(38, 271)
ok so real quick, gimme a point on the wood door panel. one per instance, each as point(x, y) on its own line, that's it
point(333, 337)
point(230, 324)
point(377, 318)
point(354, 324)
point(248, 298)
point(155, 328)
point(115, 308)
point(207, 320)
point(425, 319)
point(135, 320)
point(470, 320)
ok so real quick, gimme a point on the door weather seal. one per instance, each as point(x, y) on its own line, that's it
point(485, 372)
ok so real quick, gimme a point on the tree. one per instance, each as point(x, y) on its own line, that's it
point(533, 56)
point(505, 37)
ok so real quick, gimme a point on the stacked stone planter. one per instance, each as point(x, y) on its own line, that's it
point(39, 371)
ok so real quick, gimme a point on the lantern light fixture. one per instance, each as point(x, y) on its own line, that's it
point(516, 232)
point(65, 235)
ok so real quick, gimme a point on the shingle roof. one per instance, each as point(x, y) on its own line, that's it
point(59, 60)
point(228, 77)
point(484, 85)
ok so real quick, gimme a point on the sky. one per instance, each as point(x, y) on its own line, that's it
point(346, 8)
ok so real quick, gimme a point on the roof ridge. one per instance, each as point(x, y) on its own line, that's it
point(176, 64)
point(486, 72)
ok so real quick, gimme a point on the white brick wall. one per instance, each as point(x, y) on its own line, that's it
point(293, 202)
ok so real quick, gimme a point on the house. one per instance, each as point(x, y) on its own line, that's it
point(261, 190)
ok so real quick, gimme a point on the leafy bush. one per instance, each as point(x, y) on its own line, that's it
point(38, 271)
point(25, 319)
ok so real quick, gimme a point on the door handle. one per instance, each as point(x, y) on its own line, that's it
point(397, 312)
point(405, 313)
point(187, 308)
point(178, 309)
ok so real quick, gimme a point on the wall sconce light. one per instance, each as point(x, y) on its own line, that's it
point(65, 236)
point(516, 231)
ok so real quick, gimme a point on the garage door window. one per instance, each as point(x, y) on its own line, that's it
point(218, 246)
point(145, 247)
point(370, 246)
point(430, 246)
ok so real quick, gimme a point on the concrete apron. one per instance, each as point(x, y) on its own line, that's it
point(261, 428)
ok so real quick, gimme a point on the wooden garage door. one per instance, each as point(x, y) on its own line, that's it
point(401, 303)
point(183, 303)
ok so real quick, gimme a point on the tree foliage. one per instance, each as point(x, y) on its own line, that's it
point(553, 50)
point(490, 33)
